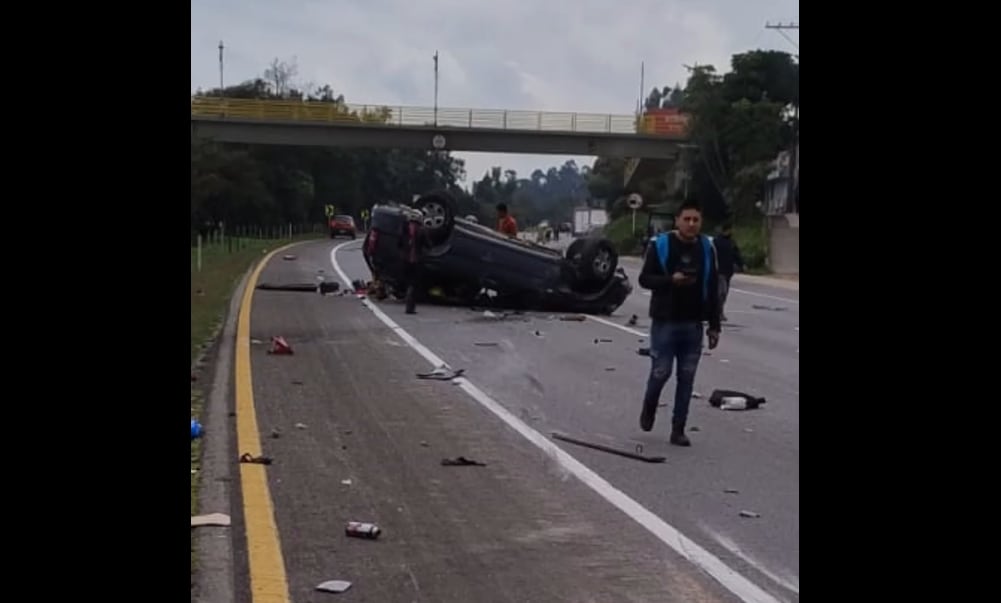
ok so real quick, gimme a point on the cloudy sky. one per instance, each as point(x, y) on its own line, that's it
point(544, 55)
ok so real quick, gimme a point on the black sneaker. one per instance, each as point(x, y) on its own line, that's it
point(646, 420)
point(678, 438)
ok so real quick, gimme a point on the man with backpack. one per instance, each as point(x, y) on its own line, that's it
point(680, 270)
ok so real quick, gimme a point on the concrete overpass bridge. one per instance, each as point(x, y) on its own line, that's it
point(318, 123)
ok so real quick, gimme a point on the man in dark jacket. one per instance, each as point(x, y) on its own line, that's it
point(680, 271)
point(413, 243)
point(728, 255)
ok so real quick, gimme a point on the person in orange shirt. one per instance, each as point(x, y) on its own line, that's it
point(506, 223)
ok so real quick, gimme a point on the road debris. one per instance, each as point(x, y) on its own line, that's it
point(731, 491)
point(538, 333)
point(424, 444)
point(609, 368)
point(750, 514)
point(603, 340)
point(697, 395)
point(288, 257)
point(643, 352)
point(632, 455)
point(769, 308)
point(442, 373)
point(486, 344)
point(259, 460)
point(275, 434)
point(210, 520)
point(632, 321)
point(346, 482)
point(361, 529)
point(196, 429)
point(333, 586)
point(256, 342)
point(574, 317)
point(320, 287)
point(726, 399)
point(297, 382)
point(461, 461)
point(694, 428)
point(300, 426)
point(280, 347)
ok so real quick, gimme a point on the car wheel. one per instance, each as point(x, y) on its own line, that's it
point(597, 260)
point(439, 215)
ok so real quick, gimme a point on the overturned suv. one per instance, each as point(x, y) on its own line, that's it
point(467, 261)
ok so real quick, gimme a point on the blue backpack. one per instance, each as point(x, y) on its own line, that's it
point(664, 249)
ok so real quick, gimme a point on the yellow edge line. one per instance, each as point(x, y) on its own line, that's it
point(268, 583)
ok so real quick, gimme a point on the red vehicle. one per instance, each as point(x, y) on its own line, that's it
point(344, 225)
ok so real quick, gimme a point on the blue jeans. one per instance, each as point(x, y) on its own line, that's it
point(670, 341)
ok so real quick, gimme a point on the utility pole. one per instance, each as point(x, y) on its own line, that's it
point(436, 88)
point(791, 198)
point(221, 88)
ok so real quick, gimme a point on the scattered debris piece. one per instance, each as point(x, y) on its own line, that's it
point(275, 434)
point(461, 461)
point(333, 586)
point(609, 368)
point(424, 444)
point(359, 285)
point(297, 382)
point(723, 360)
point(361, 529)
point(196, 429)
point(346, 482)
point(348, 432)
point(748, 430)
point(486, 344)
point(212, 519)
point(442, 373)
point(662, 405)
point(770, 308)
point(259, 460)
point(632, 321)
point(694, 428)
point(538, 334)
point(300, 426)
point(288, 257)
point(697, 395)
point(750, 514)
point(321, 287)
point(643, 351)
point(280, 347)
point(603, 340)
point(632, 455)
point(575, 317)
point(725, 399)
point(256, 342)
point(731, 491)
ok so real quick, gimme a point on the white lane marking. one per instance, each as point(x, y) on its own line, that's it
point(617, 326)
point(745, 292)
point(786, 580)
point(766, 296)
point(737, 584)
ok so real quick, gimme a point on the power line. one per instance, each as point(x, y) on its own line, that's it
point(781, 27)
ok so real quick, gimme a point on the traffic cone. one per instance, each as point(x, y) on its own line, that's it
point(280, 347)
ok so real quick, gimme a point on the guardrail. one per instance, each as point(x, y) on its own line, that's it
point(330, 112)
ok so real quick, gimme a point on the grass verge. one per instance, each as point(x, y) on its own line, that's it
point(222, 267)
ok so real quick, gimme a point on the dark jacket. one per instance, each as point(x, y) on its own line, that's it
point(663, 291)
point(414, 242)
point(728, 255)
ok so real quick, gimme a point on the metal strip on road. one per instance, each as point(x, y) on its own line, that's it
point(744, 589)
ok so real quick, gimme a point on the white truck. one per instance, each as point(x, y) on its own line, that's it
point(586, 219)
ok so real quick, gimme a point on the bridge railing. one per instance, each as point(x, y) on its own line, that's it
point(330, 112)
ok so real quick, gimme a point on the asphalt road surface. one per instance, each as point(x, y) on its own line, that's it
point(577, 525)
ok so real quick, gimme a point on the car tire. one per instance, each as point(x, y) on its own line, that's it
point(439, 215)
point(596, 260)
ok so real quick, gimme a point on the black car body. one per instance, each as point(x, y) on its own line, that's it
point(467, 261)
